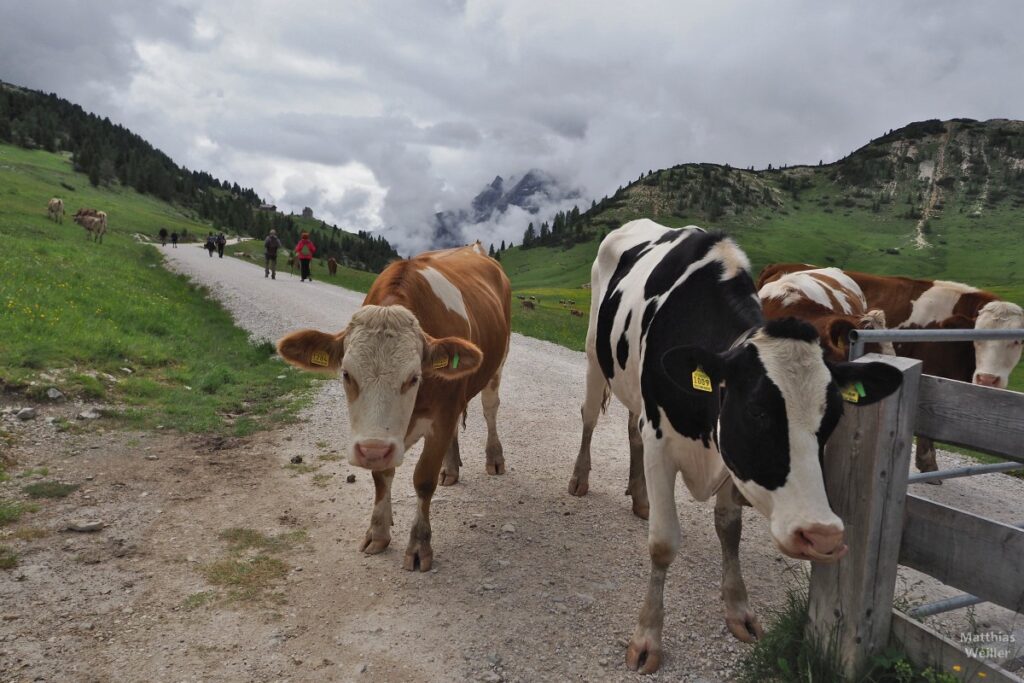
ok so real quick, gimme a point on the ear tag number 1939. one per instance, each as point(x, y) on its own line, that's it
point(701, 380)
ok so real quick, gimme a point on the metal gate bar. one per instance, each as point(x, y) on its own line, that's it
point(968, 471)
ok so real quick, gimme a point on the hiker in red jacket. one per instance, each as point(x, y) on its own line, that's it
point(305, 250)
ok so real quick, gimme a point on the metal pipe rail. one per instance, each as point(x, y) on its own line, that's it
point(968, 471)
point(858, 338)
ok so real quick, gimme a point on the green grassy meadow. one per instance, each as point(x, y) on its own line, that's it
point(74, 313)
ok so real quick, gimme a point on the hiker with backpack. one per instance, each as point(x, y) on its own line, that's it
point(305, 250)
point(211, 244)
point(163, 237)
point(174, 240)
point(270, 247)
point(221, 242)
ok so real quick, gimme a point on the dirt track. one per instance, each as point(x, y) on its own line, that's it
point(555, 599)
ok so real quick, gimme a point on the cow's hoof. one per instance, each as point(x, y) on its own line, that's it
point(448, 478)
point(641, 508)
point(495, 468)
point(372, 546)
point(578, 486)
point(643, 654)
point(745, 627)
point(934, 482)
point(418, 558)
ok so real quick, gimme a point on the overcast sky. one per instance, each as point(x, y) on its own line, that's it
point(377, 113)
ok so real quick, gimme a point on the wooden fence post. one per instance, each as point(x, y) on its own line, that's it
point(866, 466)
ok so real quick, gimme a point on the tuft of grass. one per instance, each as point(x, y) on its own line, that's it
point(301, 467)
point(34, 472)
point(330, 457)
point(11, 511)
point(8, 558)
point(49, 489)
point(321, 480)
point(240, 539)
point(321, 444)
point(197, 600)
point(246, 578)
point(30, 533)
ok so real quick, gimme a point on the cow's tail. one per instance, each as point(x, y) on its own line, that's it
point(606, 398)
point(465, 414)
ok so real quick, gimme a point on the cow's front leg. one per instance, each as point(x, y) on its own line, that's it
point(740, 620)
point(490, 400)
point(452, 462)
point(644, 651)
point(924, 457)
point(637, 486)
point(419, 555)
point(378, 536)
point(595, 397)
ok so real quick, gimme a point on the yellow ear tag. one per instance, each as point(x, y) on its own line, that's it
point(440, 363)
point(850, 394)
point(701, 380)
point(321, 358)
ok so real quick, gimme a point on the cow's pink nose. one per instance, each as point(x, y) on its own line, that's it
point(820, 541)
point(373, 453)
point(987, 380)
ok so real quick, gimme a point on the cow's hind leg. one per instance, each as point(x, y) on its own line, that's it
point(378, 536)
point(452, 462)
point(741, 622)
point(491, 400)
point(419, 555)
point(637, 486)
point(644, 651)
point(594, 400)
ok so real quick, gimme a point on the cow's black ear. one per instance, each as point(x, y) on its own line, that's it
point(865, 383)
point(693, 369)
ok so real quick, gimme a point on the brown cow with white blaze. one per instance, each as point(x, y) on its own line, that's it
point(94, 222)
point(433, 333)
point(55, 210)
point(829, 300)
point(938, 304)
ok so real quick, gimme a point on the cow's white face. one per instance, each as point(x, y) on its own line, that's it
point(383, 357)
point(781, 403)
point(996, 359)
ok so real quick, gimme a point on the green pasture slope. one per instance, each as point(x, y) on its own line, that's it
point(71, 310)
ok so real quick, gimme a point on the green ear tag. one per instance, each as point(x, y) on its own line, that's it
point(859, 386)
point(455, 362)
point(701, 380)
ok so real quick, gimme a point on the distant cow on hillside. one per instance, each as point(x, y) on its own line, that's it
point(332, 266)
point(576, 312)
point(55, 210)
point(529, 306)
point(94, 222)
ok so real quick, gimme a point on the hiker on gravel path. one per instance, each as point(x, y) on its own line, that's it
point(221, 242)
point(270, 247)
point(305, 250)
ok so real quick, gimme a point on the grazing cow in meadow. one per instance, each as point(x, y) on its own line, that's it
point(830, 301)
point(433, 332)
point(55, 210)
point(94, 222)
point(576, 312)
point(533, 298)
point(520, 297)
point(529, 306)
point(741, 408)
point(939, 304)
point(332, 266)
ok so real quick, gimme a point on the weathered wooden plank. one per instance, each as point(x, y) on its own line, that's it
point(972, 553)
point(925, 647)
point(985, 419)
point(866, 465)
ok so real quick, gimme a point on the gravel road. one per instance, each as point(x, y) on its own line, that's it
point(552, 597)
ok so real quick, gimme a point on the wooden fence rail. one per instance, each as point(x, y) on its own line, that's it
point(866, 466)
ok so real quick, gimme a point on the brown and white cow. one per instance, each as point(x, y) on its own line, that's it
point(332, 266)
point(94, 222)
point(55, 210)
point(433, 332)
point(829, 300)
point(938, 304)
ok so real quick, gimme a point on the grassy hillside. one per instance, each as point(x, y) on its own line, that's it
point(957, 186)
point(74, 314)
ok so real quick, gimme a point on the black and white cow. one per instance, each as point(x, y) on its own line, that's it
point(676, 333)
